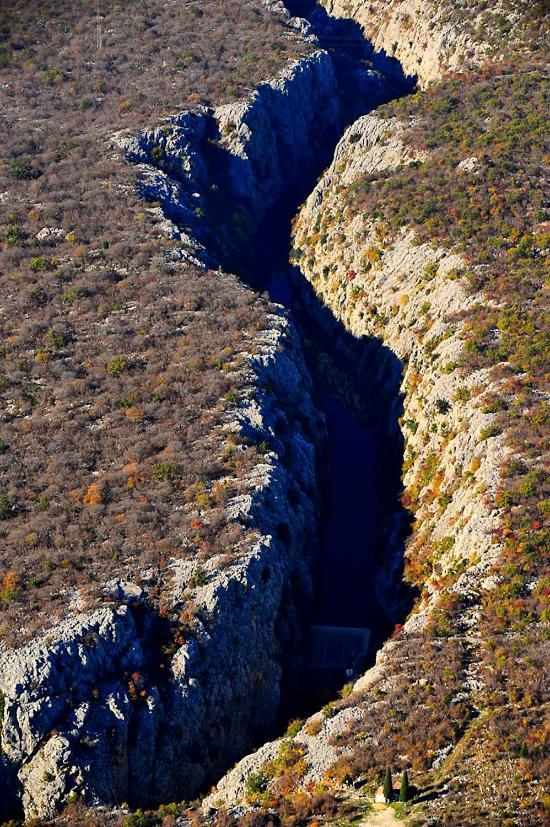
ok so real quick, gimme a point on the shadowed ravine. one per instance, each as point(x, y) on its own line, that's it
point(318, 587)
point(355, 386)
point(310, 603)
point(230, 180)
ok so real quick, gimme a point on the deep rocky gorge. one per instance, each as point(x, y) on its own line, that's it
point(93, 707)
point(391, 292)
point(100, 706)
point(88, 706)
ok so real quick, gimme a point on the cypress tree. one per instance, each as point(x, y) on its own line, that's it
point(388, 785)
point(404, 793)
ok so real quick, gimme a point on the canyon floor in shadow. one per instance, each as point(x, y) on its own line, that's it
point(356, 385)
point(363, 523)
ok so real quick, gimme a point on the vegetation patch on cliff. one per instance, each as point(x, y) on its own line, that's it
point(481, 192)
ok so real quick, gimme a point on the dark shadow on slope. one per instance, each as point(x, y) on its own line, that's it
point(358, 564)
point(365, 79)
point(359, 560)
point(352, 52)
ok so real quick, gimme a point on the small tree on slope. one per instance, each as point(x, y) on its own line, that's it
point(388, 785)
point(404, 793)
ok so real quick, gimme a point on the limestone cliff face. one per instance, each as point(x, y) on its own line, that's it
point(406, 293)
point(416, 32)
point(104, 703)
point(280, 127)
point(210, 169)
point(99, 705)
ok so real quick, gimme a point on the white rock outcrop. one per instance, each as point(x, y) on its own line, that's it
point(93, 705)
point(409, 294)
point(247, 150)
point(416, 33)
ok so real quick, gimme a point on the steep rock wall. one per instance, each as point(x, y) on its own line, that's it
point(220, 169)
point(98, 705)
point(105, 704)
point(416, 32)
point(214, 172)
point(409, 295)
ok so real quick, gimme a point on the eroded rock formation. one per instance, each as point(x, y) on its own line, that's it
point(104, 704)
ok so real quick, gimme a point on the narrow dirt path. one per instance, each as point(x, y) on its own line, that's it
point(381, 816)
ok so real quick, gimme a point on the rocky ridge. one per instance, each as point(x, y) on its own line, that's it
point(102, 732)
point(107, 706)
point(241, 154)
point(409, 294)
point(107, 702)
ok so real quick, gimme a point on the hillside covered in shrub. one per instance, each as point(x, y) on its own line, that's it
point(117, 361)
point(121, 366)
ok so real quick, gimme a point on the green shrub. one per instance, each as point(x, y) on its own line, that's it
point(430, 271)
point(294, 728)
point(346, 690)
point(445, 499)
point(450, 367)
point(14, 237)
point(72, 294)
point(51, 75)
point(531, 483)
point(198, 577)
point(256, 784)
point(489, 431)
point(55, 338)
point(443, 546)
point(39, 263)
point(118, 364)
point(463, 394)
point(6, 509)
point(165, 471)
point(329, 710)
point(20, 171)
